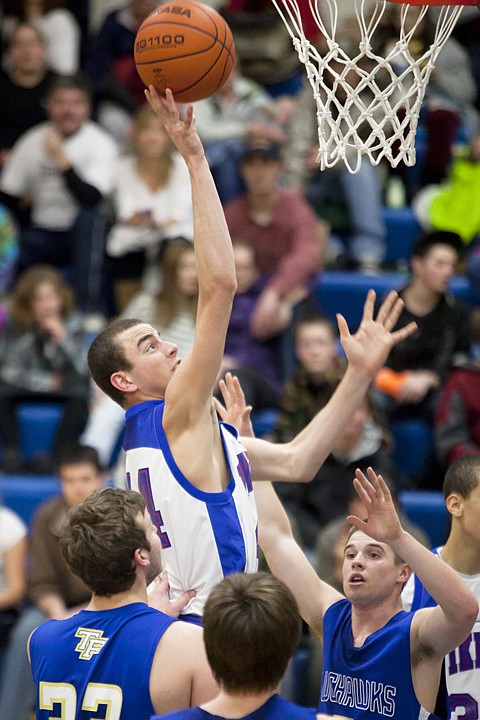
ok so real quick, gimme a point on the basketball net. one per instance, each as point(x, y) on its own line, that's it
point(368, 104)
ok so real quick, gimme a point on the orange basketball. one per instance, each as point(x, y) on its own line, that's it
point(185, 46)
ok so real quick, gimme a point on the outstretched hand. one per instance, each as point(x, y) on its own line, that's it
point(383, 523)
point(183, 133)
point(235, 412)
point(370, 346)
point(158, 598)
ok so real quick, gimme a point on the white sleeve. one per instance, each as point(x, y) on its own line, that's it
point(12, 529)
point(18, 173)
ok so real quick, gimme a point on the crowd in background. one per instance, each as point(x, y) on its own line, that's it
point(96, 222)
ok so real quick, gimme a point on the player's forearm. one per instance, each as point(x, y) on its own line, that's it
point(213, 246)
point(316, 441)
point(440, 581)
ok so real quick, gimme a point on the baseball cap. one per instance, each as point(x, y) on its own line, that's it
point(265, 150)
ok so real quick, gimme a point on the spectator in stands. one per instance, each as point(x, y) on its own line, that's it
point(23, 85)
point(409, 384)
point(365, 442)
point(350, 203)
point(172, 310)
point(316, 350)
point(454, 205)
point(119, 91)
point(57, 25)
point(282, 229)
point(64, 168)
point(43, 359)
point(457, 420)
point(239, 112)
point(52, 589)
point(13, 552)
point(151, 203)
point(255, 360)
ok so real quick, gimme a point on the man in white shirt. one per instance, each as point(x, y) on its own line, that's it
point(62, 169)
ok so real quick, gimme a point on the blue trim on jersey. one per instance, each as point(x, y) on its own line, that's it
point(191, 618)
point(142, 433)
point(228, 534)
point(275, 708)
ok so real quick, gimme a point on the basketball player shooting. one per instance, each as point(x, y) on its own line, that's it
point(192, 470)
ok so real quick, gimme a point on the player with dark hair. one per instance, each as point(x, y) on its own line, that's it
point(251, 629)
point(193, 471)
point(118, 653)
point(461, 489)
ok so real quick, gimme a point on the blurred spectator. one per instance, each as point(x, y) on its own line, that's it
point(316, 349)
point(9, 242)
point(119, 91)
point(281, 228)
point(63, 168)
point(13, 552)
point(264, 46)
point(57, 26)
point(256, 361)
point(364, 442)
point(240, 111)
point(52, 589)
point(151, 203)
point(409, 384)
point(455, 206)
point(457, 420)
point(43, 359)
point(350, 203)
point(171, 310)
point(23, 86)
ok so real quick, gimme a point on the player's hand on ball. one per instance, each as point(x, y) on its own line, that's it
point(182, 131)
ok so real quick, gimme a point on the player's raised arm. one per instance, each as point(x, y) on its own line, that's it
point(438, 630)
point(366, 351)
point(213, 256)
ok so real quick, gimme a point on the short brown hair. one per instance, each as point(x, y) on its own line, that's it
point(100, 537)
point(25, 287)
point(106, 356)
point(251, 628)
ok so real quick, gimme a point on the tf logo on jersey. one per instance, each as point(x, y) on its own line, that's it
point(91, 642)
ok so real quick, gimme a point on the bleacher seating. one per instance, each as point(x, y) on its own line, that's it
point(344, 292)
point(427, 509)
point(23, 493)
point(402, 227)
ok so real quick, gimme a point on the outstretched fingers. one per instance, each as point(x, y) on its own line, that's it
point(369, 305)
point(390, 310)
point(404, 332)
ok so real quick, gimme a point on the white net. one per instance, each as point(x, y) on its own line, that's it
point(368, 101)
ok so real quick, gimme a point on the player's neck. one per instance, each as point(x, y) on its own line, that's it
point(137, 593)
point(235, 706)
point(367, 619)
point(461, 554)
point(419, 299)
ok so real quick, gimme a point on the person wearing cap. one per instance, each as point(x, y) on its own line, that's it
point(409, 384)
point(281, 227)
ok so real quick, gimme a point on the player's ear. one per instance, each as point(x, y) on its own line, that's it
point(122, 382)
point(141, 557)
point(404, 574)
point(454, 503)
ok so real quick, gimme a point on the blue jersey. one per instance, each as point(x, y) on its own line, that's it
point(97, 662)
point(276, 708)
point(205, 535)
point(371, 682)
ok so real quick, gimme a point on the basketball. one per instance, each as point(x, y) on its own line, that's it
point(185, 46)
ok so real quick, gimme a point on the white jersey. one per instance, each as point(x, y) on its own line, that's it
point(205, 536)
point(462, 665)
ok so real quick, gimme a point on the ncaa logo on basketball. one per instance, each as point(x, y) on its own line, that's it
point(174, 10)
